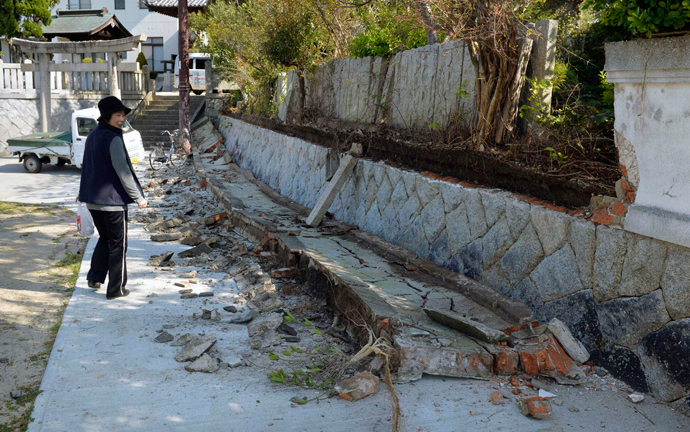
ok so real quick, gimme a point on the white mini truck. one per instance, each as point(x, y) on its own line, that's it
point(67, 147)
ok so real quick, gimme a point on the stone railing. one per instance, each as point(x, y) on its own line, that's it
point(622, 294)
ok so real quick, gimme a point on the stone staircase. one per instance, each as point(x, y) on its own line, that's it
point(161, 114)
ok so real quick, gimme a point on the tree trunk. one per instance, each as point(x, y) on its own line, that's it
point(429, 25)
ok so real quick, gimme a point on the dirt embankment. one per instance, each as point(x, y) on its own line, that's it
point(40, 254)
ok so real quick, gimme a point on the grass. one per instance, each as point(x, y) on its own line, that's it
point(21, 421)
point(9, 208)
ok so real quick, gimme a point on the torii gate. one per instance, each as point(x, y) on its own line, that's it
point(45, 49)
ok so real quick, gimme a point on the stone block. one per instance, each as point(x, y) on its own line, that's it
point(195, 349)
point(643, 266)
point(439, 252)
point(623, 364)
point(471, 258)
point(372, 220)
point(523, 256)
point(496, 278)
point(675, 282)
point(410, 181)
point(665, 355)
point(389, 221)
point(557, 275)
point(608, 262)
point(453, 195)
point(458, 229)
point(552, 228)
point(398, 196)
point(409, 211)
point(578, 312)
point(475, 214)
point(347, 163)
point(572, 346)
point(518, 215)
point(583, 241)
point(427, 189)
point(394, 175)
point(625, 321)
point(196, 251)
point(205, 363)
point(433, 218)
point(265, 324)
point(496, 242)
point(494, 205)
point(383, 195)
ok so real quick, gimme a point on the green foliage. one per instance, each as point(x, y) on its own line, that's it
point(24, 18)
point(644, 17)
point(141, 59)
point(387, 28)
point(291, 38)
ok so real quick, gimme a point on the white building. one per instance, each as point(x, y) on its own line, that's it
point(161, 30)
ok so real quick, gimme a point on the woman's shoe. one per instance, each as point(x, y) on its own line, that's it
point(93, 284)
point(125, 293)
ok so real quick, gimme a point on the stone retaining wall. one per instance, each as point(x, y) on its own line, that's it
point(624, 295)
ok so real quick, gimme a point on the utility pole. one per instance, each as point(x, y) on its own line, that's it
point(183, 52)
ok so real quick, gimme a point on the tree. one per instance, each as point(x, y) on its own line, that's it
point(24, 18)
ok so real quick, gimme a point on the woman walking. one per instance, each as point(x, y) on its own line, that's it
point(108, 185)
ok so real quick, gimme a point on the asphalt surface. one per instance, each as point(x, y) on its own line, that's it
point(55, 185)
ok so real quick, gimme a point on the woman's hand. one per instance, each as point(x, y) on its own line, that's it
point(143, 204)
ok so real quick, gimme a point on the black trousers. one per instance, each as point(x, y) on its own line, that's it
point(109, 254)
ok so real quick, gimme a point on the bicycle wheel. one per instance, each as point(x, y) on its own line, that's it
point(179, 157)
point(156, 158)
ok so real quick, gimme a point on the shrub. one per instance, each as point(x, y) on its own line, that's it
point(643, 16)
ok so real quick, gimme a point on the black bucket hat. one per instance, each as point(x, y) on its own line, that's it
point(110, 105)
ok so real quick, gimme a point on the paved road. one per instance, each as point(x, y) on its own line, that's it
point(53, 185)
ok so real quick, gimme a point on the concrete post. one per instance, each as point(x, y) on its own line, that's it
point(544, 60)
point(44, 71)
point(167, 81)
point(147, 78)
point(68, 77)
point(113, 78)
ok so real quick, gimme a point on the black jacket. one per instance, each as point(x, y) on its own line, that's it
point(99, 181)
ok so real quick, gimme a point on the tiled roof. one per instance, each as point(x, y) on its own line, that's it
point(89, 21)
point(173, 3)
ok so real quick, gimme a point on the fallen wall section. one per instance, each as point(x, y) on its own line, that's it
point(620, 293)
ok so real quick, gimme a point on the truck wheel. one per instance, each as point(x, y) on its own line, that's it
point(197, 92)
point(32, 164)
point(61, 162)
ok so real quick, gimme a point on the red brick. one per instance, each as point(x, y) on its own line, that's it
point(516, 391)
point(618, 209)
point(624, 170)
point(292, 260)
point(506, 362)
point(529, 363)
point(212, 148)
point(557, 360)
point(629, 197)
point(514, 381)
point(557, 345)
point(537, 407)
point(602, 217)
point(203, 183)
point(545, 364)
point(496, 398)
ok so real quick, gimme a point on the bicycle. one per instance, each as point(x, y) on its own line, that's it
point(175, 156)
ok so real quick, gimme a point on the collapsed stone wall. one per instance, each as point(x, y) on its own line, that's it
point(21, 116)
point(623, 295)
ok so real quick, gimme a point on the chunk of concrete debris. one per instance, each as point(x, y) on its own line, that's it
point(212, 315)
point(195, 348)
point(231, 309)
point(467, 326)
point(286, 329)
point(205, 363)
point(191, 240)
point(545, 394)
point(215, 218)
point(233, 360)
point(242, 316)
point(185, 339)
point(164, 337)
point(206, 294)
point(358, 387)
point(196, 251)
point(266, 323)
point(185, 291)
point(179, 284)
point(189, 296)
point(635, 397)
point(572, 346)
point(158, 260)
point(535, 406)
point(285, 272)
point(167, 237)
point(17, 394)
point(188, 275)
point(347, 164)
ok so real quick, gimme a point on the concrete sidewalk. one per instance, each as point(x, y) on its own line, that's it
point(106, 372)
